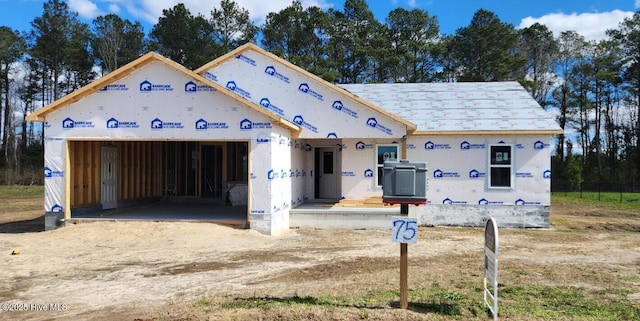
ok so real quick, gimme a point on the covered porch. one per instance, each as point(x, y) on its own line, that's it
point(368, 213)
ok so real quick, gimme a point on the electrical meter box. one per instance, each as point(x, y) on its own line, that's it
point(404, 182)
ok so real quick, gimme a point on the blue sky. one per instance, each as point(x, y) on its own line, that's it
point(591, 18)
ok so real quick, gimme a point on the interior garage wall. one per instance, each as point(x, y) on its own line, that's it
point(139, 171)
point(85, 173)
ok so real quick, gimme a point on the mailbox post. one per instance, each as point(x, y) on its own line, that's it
point(404, 183)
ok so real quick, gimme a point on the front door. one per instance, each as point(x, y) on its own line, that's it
point(109, 177)
point(327, 173)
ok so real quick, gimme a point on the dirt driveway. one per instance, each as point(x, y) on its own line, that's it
point(156, 270)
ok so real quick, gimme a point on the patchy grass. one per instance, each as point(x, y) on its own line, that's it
point(20, 203)
point(516, 302)
point(552, 274)
point(435, 299)
point(629, 201)
point(560, 302)
point(21, 191)
point(449, 287)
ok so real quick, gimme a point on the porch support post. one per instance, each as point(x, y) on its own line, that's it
point(67, 181)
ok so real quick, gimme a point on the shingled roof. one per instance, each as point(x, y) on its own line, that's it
point(464, 108)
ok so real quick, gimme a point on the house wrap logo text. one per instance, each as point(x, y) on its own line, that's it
point(69, 123)
point(271, 71)
point(304, 88)
point(147, 86)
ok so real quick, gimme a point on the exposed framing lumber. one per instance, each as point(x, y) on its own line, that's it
point(142, 169)
point(138, 169)
point(67, 182)
point(487, 132)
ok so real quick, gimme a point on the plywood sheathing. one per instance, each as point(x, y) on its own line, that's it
point(365, 202)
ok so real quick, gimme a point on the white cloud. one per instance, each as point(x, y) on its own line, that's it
point(114, 8)
point(637, 4)
point(591, 25)
point(151, 10)
point(85, 8)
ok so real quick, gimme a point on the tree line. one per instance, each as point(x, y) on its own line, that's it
point(593, 86)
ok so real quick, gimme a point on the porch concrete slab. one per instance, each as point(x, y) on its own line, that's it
point(320, 215)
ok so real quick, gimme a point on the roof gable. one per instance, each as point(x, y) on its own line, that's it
point(463, 108)
point(138, 64)
point(301, 97)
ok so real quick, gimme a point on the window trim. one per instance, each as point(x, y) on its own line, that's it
point(510, 166)
point(379, 166)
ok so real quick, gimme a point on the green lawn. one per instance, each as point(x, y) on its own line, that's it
point(628, 201)
point(21, 191)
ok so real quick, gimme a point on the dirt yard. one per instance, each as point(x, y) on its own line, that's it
point(201, 271)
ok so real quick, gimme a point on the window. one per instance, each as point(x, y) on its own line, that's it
point(384, 153)
point(500, 166)
point(327, 162)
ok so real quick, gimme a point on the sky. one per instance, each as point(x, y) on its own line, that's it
point(590, 18)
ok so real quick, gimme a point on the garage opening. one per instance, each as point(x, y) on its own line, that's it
point(160, 180)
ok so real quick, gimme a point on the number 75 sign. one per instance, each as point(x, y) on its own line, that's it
point(404, 230)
